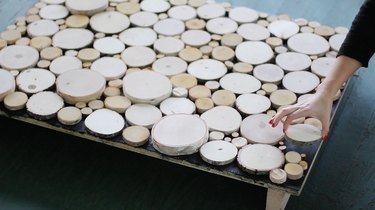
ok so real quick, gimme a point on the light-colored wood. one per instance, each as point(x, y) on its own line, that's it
point(199, 91)
point(18, 57)
point(10, 36)
point(294, 171)
point(218, 152)
point(325, 31)
point(293, 157)
point(195, 24)
point(283, 28)
point(268, 73)
point(310, 44)
point(307, 29)
point(69, 115)
point(261, 92)
point(252, 103)
point(292, 61)
point(50, 53)
point(138, 56)
point(239, 142)
point(80, 105)
point(254, 52)
point(53, 12)
point(196, 3)
point(115, 83)
point(281, 49)
point(216, 135)
point(243, 15)
point(3, 43)
point(314, 122)
point(301, 21)
point(222, 53)
point(178, 2)
point(231, 40)
point(204, 104)
point(269, 88)
point(183, 12)
point(180, 92)
point(96, 104)
point(196, 38)
point(32, 18)
point(228, 139)
point(88, 54)
point(77, 21)
point(282, 97)
point(223, 98)
point(104, 123)
point(42, 28)
point(341, 30)
point(40, 42)
point(111, 68)
point(222, 118)
point(73, 38)
point(170, 66)
point(109, 22)
point(65, 63)
point(35, 80)
point(221, 25)
point(44, 105)
point(72, 53)
point(138, 36)
point(190, 54)
point(143, 115)
point(86, 7)
point(117, 103)
point(276, 200)
point(322, 66)
point(274, 41)
point(15, 101)
point(278, 176)
point(143, 19)
point(304, 164)
point(331, 54)
point(169, 27)
point(109, 45)
point(206, 50)
point(135, 135)
point(128, 8)
point(7, 84)
point(86, 111)
point(253, 32)
point(271, 112)
point(184, 80)
point(300, 82)
point(336, 41)
point(210, 11)
point(313, 24)
point(175, 105)
point(207, 69)
point(240, 83)
point(303, 134)
point(155, 6)
point(242, 67)
point(169, 46)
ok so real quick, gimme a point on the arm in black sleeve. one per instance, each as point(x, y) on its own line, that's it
point(359, 44)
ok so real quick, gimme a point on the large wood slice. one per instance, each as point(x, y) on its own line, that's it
point(252, 103)
point(109, 22)
point(42, 28)
point(35, 80)
point(143, 19)
point(292, 61)
point(303, 134)
point(218, 152)
point(300, 82)
point(240, 83)
point(80, 85)
point(260, 158)
point(253, 32)
point(282, 97)
point(169, 27)
point(221, 25)
point(138, 36)
point(255, 129)
point(155, 6)
point(104, 123)
point(7, 84)
point(196, 38)
point(65, 63)
point(177, 106)
point(243, 15)
point(16, 57)
point(143, 115)
point(138, 56)
point(170, 66)
point(207, 69)
point(210, 11)
point(44, 105)
point(179, 134)
point(222, 118)
point(283, 28)
point(254, 52)
point(147, 87)
point(53, 12)
point(135, 135)
point(72, 38)
point(322, 66)
point(336, 41)
point(307, 43)
point(111, 68)
point(169, 45)
point(182, 12)
point(86, 7)
point(15, 101)
point(109, 45)
point(269, 73)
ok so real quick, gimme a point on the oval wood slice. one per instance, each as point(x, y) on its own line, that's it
point(222, 118)
point(240, 83)
point(72, 38)
point(109, 45)
point(69, 115)
point(314, 122)
point(212, 85)
point(117, 83)
point(138, 56)
point(268, 73)
point(204, 104)
point(104, 123)
point(182, 12)
point(303, 97)
point(138, 36)
point(218, 152)
point(310, 44)
point(294, 171)
point(283, 28)
point(96, 104)
point(180, 92)
point(293, 157)
point(336, 41)
point(135, 135)
point(109, 22)
point(111, 68)
point(222, 53)
point(210, 11)
point(190, 54)
point(241, 67)
point(178, 2)
point(184, 81)
point(322, 66)
point(143, 19)
point(40, 42)
point(65, 63)
point(195, 24)
point(143, 114)
point(53, 1)
point(170, 66)
point(221, 26)
point(231, 40)
point(42, 28)
point(11, 36)
point(7, 84)
point(252, 103)
point(53, 12)
point(292, 61)
point(278, 176)
point(269, 88)
point(303, 134)
point(199, 91)
point(15, 101)
point(169, 27)
point(341, 30)
point(301, 82)
point(196, 38)
point(177, 106)
point(282, 97)
point(253, 32)
point(207, 69)
point(260, 158)
point(77, 21)
point(243, 15)
point(88, 54)
point(223, 98)
point(35, 80)
point(155, 6)
point(17, 57)
point(274, 42)
point(216, 135)
point(128, 8)
point(239, 142)
point(254, 52)
point(169, 45)
point(117, 103)
point(324, 31)
point(44, 105)
point(50, 53)
point(86, 7)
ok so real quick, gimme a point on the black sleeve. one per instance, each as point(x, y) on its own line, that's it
point(360, 41)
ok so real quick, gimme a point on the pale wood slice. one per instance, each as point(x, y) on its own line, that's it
point(60, 22)
point(271, 113)
point(313, 24)
point(184, 80)
point(109, 22)
point(190, 54)
point(53, 12)
point(72, 53)
point(242, 67)
point(322, 66)
point(96, 104)
point(213, 44)
point(341, 30)
point(10, 36)
point(204, 104)
point(314, 122)
point(274, 42)
point(222, 53)
point(35, 80)
point(303, 134)
point(88, 54)
point(18, 57)
point(231, 40)
point(239, 142)
point(69, 115)
point(40, 42)
point(283, 28)
point(155, 6)
point(292, 61)
point(235, 134)
point(138, 36)
point(50, 53)
point(86, 111)
point(104, 123)
point(147, 87)
point(33, 11)
point(271, 18)
point(111, 68)
point(163, 16)
point(253, 32)
point(77, 21)
point(196, 38)
point(228, 139)
point(324, 31)
point(183, 12)
point(282, 97)
point(138, 56)
point(222, 118)
point(240, 83)
point(73, 38)
point(199, 91)
point(218, 152)
point(336, 41)
point(7, 84)
point(252, 103)
point(310, 44)
point(128, 8)
point(180, 92)
point(44, 105)
point(25, 41)
point(80, 86)
point(170, 66)
point(169, 27)
point(3, 43)
point(80, 105)
point(54, 1)
point(143, 19)
point(210, 11)
point(136, 135)
point(292, 157)
point(14, 73)
point(304, 164)
point(260, 158)
point(32, 18)
point(212, 85)
point(178, 2)
point(195, 24)
point(270, 73)
point(261, 92)
point(216, 135)
point(223, 98)
point(281, 49)
point(303, 97)
point(269, 88)
point(196, 3)
point(221, 25)
point(294, 171)
point(331, 54)
point(284, 17)
point(86, 7)
point(15, 101)
point(177, 106)
point(109, 45)
point(301, 21)
point(254, 52)
point(115, 83)
point(169, 45)
point(301, 82)
point(117, 103)
point(42, 28)
point(278, 176)
point(207, 69)
point(263, 23)
point(65, 63)
point(143, 114)
point(307, 29)
point(243, 15)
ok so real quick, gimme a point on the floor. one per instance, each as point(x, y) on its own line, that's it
point(42, 169)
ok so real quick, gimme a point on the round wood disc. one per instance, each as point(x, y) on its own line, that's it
point(69, 115)
point(10, 36)
point(341, 30)
point(324, 31)
point(35, 80)
point(7, 84)
point(128, 8)
point(274, 42)
point(293, 157)
point(268, 73)
point(184, 80)
point(155, 6)
point(80, 86)
point(322, 66)
point(53, 12)
point(96, 104)
point(260, 158)
point(254, 52)
point(300, 82)
point(216, 135)
point(199, 91)
point(88, 54)
point(223, 98)
point(169, 27)
point(40, 42)
point(179, 91)
point(303, 133)
point(278, 176)
point(212, 85)
point(138, 56)
point(294, 171)
point(197, 3)
point(135, 135)
point(241, 67)
point(44, 105)
point(292, 61)
point(252, 103)
point(77, 21)
point(170, 66)
point(222, 53)
point(109, 45)
point(18, 57)
point(218, 152)
point(177, 106)
point(336, 41)
point(117, 103)
point(231, 40)
point(111, 68)
point(25, 41)
point(42, 28)
point(282, 97)
point(222, 118)
point(195, 24)
point(138, 36)
point(105, 123)
point(86, 7)
point(15, 101)
point(182, 12)
point(283, 28)
point(240, 83)
point(147, 87)
point(204, 104)
point(310, 44)
point(111, 91)
point(196, 38)
point(50, 53)
point(73, 38)
point(314, 122)
point(143, 115)
point(169, 45)
point(109, 22)
point(65, 63)
point(221, 25)
point(253, 32)
point(210, 11)
point(243, 15)
point(86, 111)
point(53, 1)
point(190, 54)
point(207, 69)
point(239, 142)
point(143, 19)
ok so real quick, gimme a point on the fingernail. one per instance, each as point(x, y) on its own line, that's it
point(284, 130)
point(325, 138)
point(271, 122)
point(273, 125)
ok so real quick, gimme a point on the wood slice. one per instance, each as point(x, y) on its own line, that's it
point(314, 122)
point(111, 91)
point(278, 176)
point(212, 85)
point(144, 19)
point(253, 32)
point(282, 97)
point(53, 1)
point(96, 104)
point(35, 80)
point(221, 25)
point(138, 36)
point(80, 105)
point(25, 41)
point(190, 54)
point(242, 67)
point(197, 3)
point(283, 28)
point(7, 84)
point(86, 7)
point(115, 83)
point(260, 158)
point(310, 44)
point(109, 45)
point(223, 98)
point(243, 15)
point(3, 43)
point(269, 88)
point(184, 80)
point(331, 54)
point(88, 54)
point(303, 97)
point(240, 83)
point(170, 66)
point(44, 105)
point(301, 21)
point(304, 164)
point(222, 118)
point(117, 103)
point(32, 18)
point(210, 11)
point(104, 123)
point(77, 21)
point(40, 42)
point(169, 45)
point(73, 38)
point(183, 12)
point(80, 86)
point(294, 171)
point(293, 157)
point(300, 82)
point(195, 24)
point(292, 61)
point(322, 66)
point(313, 24)
point(252, 103)
point(43, 64)
point(15, 101)
point(147, 87)
point(138, 56)
point(199, 91)
point(274, 41)
point(111, 68)
point(65, 63)
point(17, 57)
point(307, 29)
point(53, 12)
point(239, 142)
point(204, 104)
point(128, 8)
point(268, 73)
point(216, 135)
point(50, 53)
point(143, 115)
point(169, 27)
point(324, 31)
point(254, 52)
point(231, 40)
point(178, 2)
point(222, 53)
point(180, 92)
point(218, 152)
point(155, 6)
point(341, 30)
point(109, 22)
point(281, 49)
point(207, 69)
point(303, 134)
point(177, 106)
point(136, 135)
point(42, 28)
point(69, 115)
point(86, 111)
point(196, 38)
point(336, 41)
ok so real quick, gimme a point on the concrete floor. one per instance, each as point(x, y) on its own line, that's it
point(61, 172)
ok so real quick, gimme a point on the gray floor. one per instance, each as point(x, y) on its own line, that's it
point(60, 172)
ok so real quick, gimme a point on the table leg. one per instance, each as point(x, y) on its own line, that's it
point(276, 199)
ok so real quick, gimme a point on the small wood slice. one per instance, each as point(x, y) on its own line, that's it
point(268, 73)
point(260, 158)
point(240, 83)
point(210, 11)
point(35, 80)
point(65, 63)
point(40, 42)
point(73, 38)
point(138, 36)
point(86, 111)
point(303, 134)
point(231, 40)
point(314, 122)
point(44, 64)
point(15, 101)
point(169, 27)
point(212, 85)
point(143, 114)
point(293, 157)
point(86, 7)
point(42, 28)
point(88, 54)
point(190, 54)
point(117, 103)
point(128, 8)
point(341, 30)
point(283, 28)
point(77, 21)
point(243, 15)
point(304, 164)
point(170, 66)
point(96, 104)
point(111, 68)
point(221, 26)
point(222, 118)
point(109, 45)
point(178, 2)
point(322, 66)
point(195, 24)
point(155, 6)
point(196, 38)
point(278, 176)
point(204, 104)
point(218, 152)
point(180, 92)
point(252, 103)
point(115, 83)
point(177, 106)
point(269, 88)
point(281, 49)
point(307, 29)
point(282, 97)
point(25, 41)
point(44, 105)
point(254, 52)
point(336, 41)
point(80, 105)
point(310, 44)
point(294, 171)
point(253, 32)
point(53, 1)
point(242, 67)
point(50, 53)
point(169, 45)
point(7, 84)
point(239, 142)
point(199, 91)
point(135, 135)
point(223, 98)
point(17, 57)
point(274, 41)
point(197, 3)
point(3, 43)
point(32, 18)
point(105, 123)
point(138, 56)
point(109, 22)
point(69, 115)
point(207, 69)
point(216, 135)
point(292, 61)
point(324, 31)
point(183, 12)
point(222, 53)
point(300, 82)
point(301, 21)
point(143, 19)
point(53, 12)
point(184, 80)
point(313, 24)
